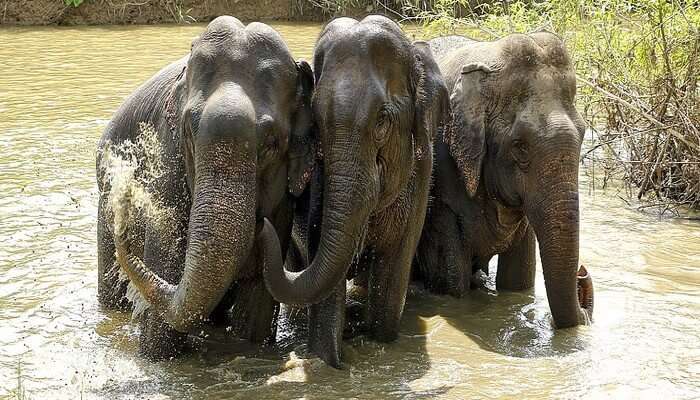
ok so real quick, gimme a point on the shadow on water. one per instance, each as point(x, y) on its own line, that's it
point(512, 324)
point(222, 366)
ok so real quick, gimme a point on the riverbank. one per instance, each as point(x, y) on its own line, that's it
point(103, 12)
point(152, 12)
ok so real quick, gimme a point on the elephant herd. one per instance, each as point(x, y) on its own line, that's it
point(384, 161)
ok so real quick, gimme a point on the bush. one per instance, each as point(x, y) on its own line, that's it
point(638, 64)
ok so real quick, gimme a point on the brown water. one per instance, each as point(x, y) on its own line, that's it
point(58, 89)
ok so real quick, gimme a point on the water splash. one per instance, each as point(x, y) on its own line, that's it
point(129, 169)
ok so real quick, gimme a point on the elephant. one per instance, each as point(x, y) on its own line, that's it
point(506, 172)
point(378, 102)
point(233, 121)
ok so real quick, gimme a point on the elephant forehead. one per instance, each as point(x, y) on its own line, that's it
point(254, 47)
point(354, 72)
point(531, 51)
point(352, 98)
point(261, 74)
point(370, 42)
point(242, 54)
point(273, 68)
point(222, 26)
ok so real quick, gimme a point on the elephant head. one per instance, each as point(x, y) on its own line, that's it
point(378, 99)
point(515, 130)
point(241, 113)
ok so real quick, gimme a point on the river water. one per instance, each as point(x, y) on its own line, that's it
point(58, 89)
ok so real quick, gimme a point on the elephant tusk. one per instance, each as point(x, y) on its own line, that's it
point(272, 250)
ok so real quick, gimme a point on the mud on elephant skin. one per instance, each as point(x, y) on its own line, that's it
point(378, 102)
point(506, 172)
point(232, 122)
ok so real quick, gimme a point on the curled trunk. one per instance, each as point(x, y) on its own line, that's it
point(220, 237)
point(346, 205)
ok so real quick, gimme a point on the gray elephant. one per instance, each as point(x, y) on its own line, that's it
point(233, 121)
point(378, 102)
point(506, 172)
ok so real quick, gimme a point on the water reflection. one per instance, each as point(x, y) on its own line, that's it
point(59, 88)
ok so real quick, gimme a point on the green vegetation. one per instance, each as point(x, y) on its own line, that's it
point(637, 62)
point(638, 65)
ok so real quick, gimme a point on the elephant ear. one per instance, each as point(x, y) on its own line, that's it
point(431, 99)
point(176, 123)
point(303, 140)
point(465, 135)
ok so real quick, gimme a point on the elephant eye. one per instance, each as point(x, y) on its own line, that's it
point(384, 122)
point(520, 153)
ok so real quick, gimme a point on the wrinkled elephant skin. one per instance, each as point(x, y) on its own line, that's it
point(232, 120)
point(506, 172)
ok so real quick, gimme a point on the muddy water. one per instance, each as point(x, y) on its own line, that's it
point(58, 88)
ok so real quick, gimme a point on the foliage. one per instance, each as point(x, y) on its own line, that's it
point(342, 7)
point(638, 63)
point(174, 7)
point(180, 15)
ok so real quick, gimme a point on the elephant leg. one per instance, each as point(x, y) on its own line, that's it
point(355, 306)
point(111, 290)
point(446, 267)
point(326, 324)
point(158, 340)
point(165, 253)
point(516, 267)
point(254, 312)
point(388, 284)
point(427, 266)
point(458, 262)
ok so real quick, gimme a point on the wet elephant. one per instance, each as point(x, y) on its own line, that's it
point(232, 120)
point(378, 102)
point(506, 172)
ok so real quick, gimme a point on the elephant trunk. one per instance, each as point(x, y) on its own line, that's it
point(348, 199)
point(220, 237)
point(554, 216)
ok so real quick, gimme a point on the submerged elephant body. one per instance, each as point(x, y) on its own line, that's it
point(506, 171)
point(245, 150)
point(377, 105)
point(232, 121)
